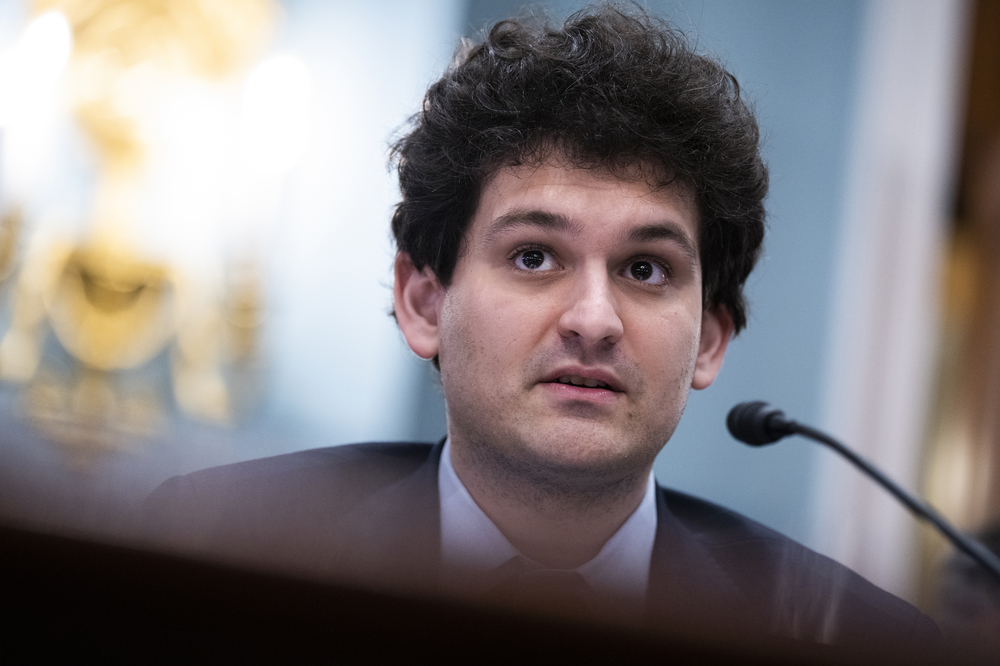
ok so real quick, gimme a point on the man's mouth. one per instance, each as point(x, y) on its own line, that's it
point(587, 382)
point(597, 379)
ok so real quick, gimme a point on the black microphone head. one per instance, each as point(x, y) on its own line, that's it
point(757, 423)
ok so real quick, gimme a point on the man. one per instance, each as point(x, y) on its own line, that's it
point(581, 208)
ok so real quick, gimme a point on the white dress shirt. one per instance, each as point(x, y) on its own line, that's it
point(470, 542)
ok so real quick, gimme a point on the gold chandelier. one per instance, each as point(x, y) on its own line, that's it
point(110, 305)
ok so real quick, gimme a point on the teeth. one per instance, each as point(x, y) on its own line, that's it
point(577, 380)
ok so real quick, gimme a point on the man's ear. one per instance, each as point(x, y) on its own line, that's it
point(417, 298)
point(716, 330)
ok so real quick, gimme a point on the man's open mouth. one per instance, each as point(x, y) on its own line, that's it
point(587, 382)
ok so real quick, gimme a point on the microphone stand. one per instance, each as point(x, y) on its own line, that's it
point(967, 545)
point(763, 424)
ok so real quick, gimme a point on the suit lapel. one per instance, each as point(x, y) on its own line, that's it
point(394, 536)
point(687, 587)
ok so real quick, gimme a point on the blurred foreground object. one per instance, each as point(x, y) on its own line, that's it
point(182, 609)
point(145, 81)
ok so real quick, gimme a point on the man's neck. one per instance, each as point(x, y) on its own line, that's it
point(558, 526)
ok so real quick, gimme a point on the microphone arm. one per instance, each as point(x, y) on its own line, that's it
point(759, 424)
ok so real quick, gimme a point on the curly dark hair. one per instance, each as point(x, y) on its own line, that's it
point(613, 88)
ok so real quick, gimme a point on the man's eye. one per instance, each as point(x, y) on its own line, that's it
point(646, 271)
point(534, 260)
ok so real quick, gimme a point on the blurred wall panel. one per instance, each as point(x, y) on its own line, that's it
point(885, 325)
point(340, 368)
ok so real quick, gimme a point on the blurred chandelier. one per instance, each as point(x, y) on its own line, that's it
point(111, 303)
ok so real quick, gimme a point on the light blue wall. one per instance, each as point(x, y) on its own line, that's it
point(797, 61)
point(339, 371)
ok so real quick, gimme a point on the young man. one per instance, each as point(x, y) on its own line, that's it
point(581, 208)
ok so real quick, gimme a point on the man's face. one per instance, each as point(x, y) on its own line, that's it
point(572, 330)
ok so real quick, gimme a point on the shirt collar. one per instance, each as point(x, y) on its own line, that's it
point(470, 540)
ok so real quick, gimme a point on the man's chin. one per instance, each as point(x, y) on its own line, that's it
point(577, 480)
point(586, 455)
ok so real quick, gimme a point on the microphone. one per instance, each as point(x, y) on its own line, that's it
point(757, 423)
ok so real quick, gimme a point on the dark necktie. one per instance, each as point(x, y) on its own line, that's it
point(526, 585)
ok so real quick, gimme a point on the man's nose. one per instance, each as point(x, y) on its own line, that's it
point(591, 312)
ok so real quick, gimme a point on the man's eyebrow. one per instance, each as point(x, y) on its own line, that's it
point(666, 231)
point(529, 218)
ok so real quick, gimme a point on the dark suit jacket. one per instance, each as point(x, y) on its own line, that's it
point(368, 514)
